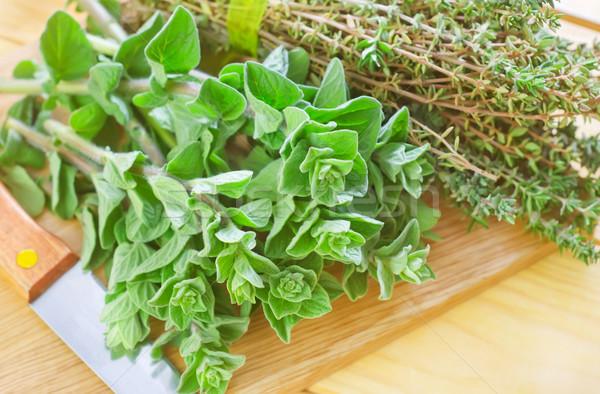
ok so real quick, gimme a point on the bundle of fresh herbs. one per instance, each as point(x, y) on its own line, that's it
point(212, 196)
point(490, 73)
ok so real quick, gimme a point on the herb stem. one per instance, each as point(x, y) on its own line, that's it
point(34, 86)
point(165, 135)
point(68, 136)
point(127, 87)
point(109, 25)
point(103, 45)
point(138, 133)
point(46, 143)
point(460, 158)
point(214, 204)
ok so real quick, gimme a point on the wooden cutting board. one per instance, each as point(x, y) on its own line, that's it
point(465, 264)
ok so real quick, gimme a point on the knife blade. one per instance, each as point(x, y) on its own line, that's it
point(70, 300)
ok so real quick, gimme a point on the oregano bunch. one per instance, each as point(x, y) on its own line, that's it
point(208, 198)
point(492, 73)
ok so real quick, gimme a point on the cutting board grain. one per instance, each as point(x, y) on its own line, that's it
point(464, 263)
point(535, 332)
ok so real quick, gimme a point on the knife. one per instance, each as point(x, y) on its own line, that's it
point(48, 275)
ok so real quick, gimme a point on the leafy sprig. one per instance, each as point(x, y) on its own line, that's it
point(207, 197)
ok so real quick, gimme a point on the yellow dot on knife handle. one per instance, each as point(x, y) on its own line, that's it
point(27, 258)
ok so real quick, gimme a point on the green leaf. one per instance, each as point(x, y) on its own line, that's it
point(64, 197)
point(90, 238)
point(66, 51)
point(104, 79)
point(92, 254)
point(292, 181)
point(217, 100)
point(163, 296)
point(262, 185)
point(408, 237)
point(146, 206)
point(88, 120)
point(24, 189)
point(117, 167)
point(165, 255)
point(396, 128)
point(309, 92)
point(355, 283)
point(164, 338)
point(299, 61)
point(362, 114)
point(282, 307)
point(233, 235)
point(364, 225)
point(131, 52)
point(224, 263)
point(518, 131)
point(264, 86)
point(232, 74)
point(331, 285)
point(22, 110)
point(133, 330)
point(174, 198)
point(149, 100)
point(17, 151)
point(176, 47)
point(243, 267)
point(177, 118)
point(294, 118)
point(231, 184)
point(332, 92)
point(140, 292)
point(275, 245)
point(243, 21)
point(406, 162)
point(303, 243)
point(425, 215)
point(268, 92)
point(255, 214)
point(137, 231)
point(184, 160)
point(28, 69)
point(112, 6)
point(277, 60)
point(120, 307)
point(127, 259)
point(190, 345)
point(282, 327)
point(386, 280)
point(317, 306)
point(120, 230)
point(109, 199)
point(188, 383)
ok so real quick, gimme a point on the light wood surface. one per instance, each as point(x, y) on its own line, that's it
point(535, 333)
point(50, 256)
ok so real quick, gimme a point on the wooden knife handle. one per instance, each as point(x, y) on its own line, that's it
point(18, 233)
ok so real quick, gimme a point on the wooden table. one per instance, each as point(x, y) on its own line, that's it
point(537, 331)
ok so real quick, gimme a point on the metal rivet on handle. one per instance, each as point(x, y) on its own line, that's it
point(27, 258)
